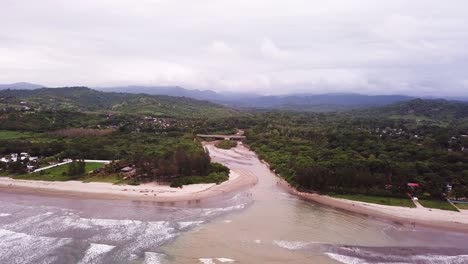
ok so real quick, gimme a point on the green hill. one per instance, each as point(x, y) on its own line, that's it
point(436, 109)
point(84, 99)
point(433, 112)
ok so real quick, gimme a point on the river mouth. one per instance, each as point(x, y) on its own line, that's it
point(263, 224)
point(281, 228)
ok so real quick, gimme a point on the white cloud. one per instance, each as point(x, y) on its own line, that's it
point(219, 47)
point(268, 46)
point(271, 51)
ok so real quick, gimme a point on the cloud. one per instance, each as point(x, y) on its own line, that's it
point(219, 47)
point(271, 51)
point(414, 47)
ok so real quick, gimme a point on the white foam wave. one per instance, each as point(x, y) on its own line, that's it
point(291, 245)
point(154, 258)
point(95, 252)
point(185, 225)
point(208, 212)
point(212, 260)
point(345, 259)
point(14, 244)
point(136, 235)
point(433, 259)
point(206, 260)
point(4, 214)
point(440, 259)
point(225, 260)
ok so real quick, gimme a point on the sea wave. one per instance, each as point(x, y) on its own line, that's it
point(95, 252)
point(291, 245)
point(368, 255)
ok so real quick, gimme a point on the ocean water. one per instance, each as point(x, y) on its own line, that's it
point(42, 229)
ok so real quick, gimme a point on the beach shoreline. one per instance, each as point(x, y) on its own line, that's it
point(239, 179)
point(144, 192)
point(405, 216)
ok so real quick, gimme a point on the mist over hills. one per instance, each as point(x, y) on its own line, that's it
point(290, 102)
point(20, 86)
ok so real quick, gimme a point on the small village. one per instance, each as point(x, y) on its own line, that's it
point(24, 163)
point(454, 143)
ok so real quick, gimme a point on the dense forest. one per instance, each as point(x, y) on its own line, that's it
point(363, 153)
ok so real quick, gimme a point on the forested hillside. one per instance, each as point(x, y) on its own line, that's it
point(437, 110)
point(152, 134)
point(86, 100)
point(372, 152)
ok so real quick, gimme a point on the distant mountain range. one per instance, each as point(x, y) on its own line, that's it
point(83, 99)
point(20, 86)
point(293, 102)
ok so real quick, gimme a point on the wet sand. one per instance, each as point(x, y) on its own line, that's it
point(150, 191)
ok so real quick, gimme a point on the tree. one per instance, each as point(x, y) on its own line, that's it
point(76, 168)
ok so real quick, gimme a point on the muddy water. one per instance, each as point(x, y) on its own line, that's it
point(262, 224)
point(279, 228)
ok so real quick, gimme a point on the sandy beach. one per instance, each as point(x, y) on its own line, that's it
point(238, 179)
point(149, 191)
point(415, 217)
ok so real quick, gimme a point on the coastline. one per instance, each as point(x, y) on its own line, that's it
point(238, 180)
point(405, 216)
point(411, 217)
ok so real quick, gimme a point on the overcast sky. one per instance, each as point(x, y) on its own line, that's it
point(416, 47)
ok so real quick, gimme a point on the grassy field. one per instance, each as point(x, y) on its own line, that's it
point(114, 178)
point(443, 205)
point(58, 173)
point(217, 178)
point(10, 135)
point(462, 206)
point(377, 199)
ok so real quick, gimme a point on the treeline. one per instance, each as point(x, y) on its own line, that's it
point(180, 168)
point(115, 146)
point(173, 164)
point(338, 153)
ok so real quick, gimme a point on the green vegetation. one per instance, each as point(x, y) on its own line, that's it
point(372, 152)
point(367, 152)
point(462, 206)
point(437, 204)
point(83, 99)
point(109, 178)
point(10, 135)
point(405, 202)
point(217, 173)
point(214, 177)
point(226, 144)
point(60, 173)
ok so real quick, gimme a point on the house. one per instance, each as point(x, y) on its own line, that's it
point(126, 169)
point(128, 172)
point(449, 187)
